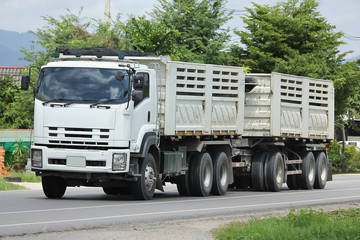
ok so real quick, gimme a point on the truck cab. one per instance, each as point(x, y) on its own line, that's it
point(91, 114)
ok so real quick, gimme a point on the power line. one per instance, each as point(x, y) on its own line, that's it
point(351, 37)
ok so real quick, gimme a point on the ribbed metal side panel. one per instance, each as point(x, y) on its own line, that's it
point(203, 99)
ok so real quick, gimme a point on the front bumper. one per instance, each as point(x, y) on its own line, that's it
point(79, 160)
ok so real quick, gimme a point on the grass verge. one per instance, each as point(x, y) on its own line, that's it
point(301, 224)
point(6, 186)
point(30, 177)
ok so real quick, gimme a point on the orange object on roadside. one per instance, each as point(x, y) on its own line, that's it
point(3, 172)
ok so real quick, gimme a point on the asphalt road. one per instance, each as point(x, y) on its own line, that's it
point(29, 212)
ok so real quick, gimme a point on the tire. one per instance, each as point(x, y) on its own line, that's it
point(201, 174)
point(144, 188)
point(274, 172)
point(321, 170)
point(53, 187)
point(221, 174)
point(257, 171)
point(307, 178)
point(293, 182)
point(182, 184)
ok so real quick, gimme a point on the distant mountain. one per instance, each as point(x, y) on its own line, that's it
point(10, 45)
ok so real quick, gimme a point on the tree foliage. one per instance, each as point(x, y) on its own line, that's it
point(151, 36)
point(199, 23)
point(291, 37)
point(16, 107)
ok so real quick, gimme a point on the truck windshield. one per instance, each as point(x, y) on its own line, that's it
point(82, 85)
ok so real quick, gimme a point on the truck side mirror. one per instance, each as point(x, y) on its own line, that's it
point(25, 82)
point(138, 82)
point(137, 95)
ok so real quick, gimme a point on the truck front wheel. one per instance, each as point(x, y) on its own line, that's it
point(53, 187)
point(144, 188)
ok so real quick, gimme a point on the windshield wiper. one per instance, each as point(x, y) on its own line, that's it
point(77, 101)
point(109, 100)
point(105, 101)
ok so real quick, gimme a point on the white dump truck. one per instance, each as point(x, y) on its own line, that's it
point(130, 122)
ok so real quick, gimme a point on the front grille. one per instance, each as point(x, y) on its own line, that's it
point(79, 136)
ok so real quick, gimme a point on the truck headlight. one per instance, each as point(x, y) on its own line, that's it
point(36, 158)
point(119, 161)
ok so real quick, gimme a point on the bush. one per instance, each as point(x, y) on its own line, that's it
point(351, 158)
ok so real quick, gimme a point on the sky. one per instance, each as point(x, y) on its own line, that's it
point(25, 15)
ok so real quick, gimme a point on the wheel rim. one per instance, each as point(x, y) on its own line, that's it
point(207, 175)
point(323, 171)
point(279, 174)
point(311, 175)
point(223, 175)
point(149, 177)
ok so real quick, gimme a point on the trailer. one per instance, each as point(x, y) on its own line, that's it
point(130, 123)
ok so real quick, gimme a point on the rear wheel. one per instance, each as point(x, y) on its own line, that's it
point(221, 177)
point(307, 178)
point(182, 181)
point(321, 170)
point(201, 174)
point(257, 171)
point(144, 188)
point(53, 187)
point(182, 184)
point(274, 168)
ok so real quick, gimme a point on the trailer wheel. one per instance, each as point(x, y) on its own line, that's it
point(257, 171)
point(274, 172)
point(307, 178)
point(53, 187)
point(201, 174)
point(144, 188)
point(221, 177)
point(321, 170)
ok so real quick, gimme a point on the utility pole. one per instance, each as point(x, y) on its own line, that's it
point(107, 11)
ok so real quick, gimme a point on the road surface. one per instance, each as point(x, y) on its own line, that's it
point(29, 212)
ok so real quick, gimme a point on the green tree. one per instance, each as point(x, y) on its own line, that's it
point(20, 153)
point(199, 24)
point(291, 37)
point(347, 91)
point(16, 107)
point(151, 36)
